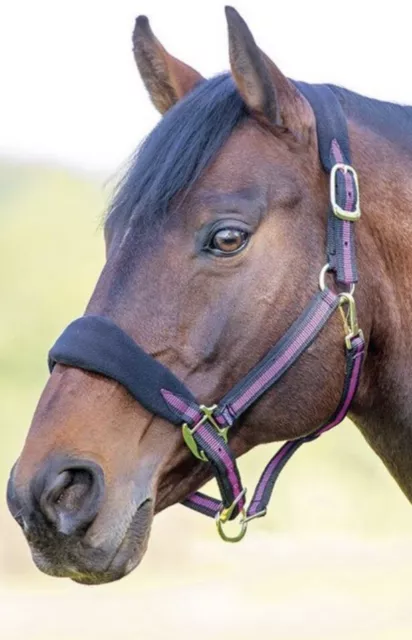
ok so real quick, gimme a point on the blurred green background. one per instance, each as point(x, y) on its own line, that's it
point(332, 560)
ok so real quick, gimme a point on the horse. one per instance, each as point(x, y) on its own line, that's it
point(215, 238)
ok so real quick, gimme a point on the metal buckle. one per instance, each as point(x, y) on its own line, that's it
point(343, 214)
point(350, 320)
point(187, 432)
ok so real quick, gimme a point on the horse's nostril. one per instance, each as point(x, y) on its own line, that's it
point(69, 493)
point(64, 494)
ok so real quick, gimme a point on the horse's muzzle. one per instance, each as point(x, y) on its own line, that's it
point(59, 513)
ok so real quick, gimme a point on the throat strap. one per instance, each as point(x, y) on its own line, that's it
point(262, 377)
point(257, 507)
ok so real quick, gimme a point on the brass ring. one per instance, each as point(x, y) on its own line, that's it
point(236, 538)
point(322, 281)
point(322, 276)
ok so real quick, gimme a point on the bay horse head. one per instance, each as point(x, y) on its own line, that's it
point(214, 243)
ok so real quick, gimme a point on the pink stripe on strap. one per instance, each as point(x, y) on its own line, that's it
point(181, 406)
point(206, 502)
point(346, 224)
point(307, 331)
point(220, 451)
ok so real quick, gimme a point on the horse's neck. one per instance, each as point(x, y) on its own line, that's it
point(383, 411)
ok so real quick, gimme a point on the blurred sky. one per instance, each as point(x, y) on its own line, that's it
point(70, 92)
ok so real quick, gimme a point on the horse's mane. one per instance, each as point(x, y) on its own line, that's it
point(188, 137)
point(178, 150)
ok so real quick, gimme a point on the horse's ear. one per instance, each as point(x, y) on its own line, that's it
point(266, 91)
point(166, 78)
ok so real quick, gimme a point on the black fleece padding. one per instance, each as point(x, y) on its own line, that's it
point(97, 344)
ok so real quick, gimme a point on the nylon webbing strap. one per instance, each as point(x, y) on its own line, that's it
point(263, 376)
point(334, 148)
point(224, 466)
point(281, 357)
point(211, 506)
point(266, 484)
point(268, 371)
point(341, 237)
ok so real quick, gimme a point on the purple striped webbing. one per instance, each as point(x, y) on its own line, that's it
point(294, 342)
point(343, 258)
point(263, 492)
point(266, 373)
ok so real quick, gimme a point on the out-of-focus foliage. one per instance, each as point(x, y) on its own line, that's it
point(332, 560)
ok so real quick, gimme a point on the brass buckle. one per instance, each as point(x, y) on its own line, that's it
point(351, 216)
point(187, 432)
point(350, 320)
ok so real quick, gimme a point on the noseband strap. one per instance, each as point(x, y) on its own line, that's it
point(97, 344)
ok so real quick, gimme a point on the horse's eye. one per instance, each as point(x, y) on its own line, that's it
point(226, 241)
